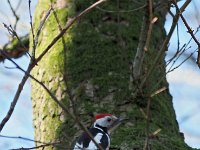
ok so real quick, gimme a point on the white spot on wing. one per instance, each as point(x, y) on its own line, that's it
point(78, 146)
point(97, 138)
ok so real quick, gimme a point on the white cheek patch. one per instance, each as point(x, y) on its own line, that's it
point(104, 122)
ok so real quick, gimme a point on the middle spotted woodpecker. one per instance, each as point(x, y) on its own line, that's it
point(100, 130)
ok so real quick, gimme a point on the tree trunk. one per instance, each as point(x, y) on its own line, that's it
point(93, 62)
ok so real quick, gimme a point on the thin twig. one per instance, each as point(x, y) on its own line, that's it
point(151, 22)
point(164, 45)
point(176, 54)
point(18, 4)
point(180, 51)
point(178, 37)
point(144, 39)
point(158, 91)
point(146, 144)
point(36, 147)
point(28, 139)
point(122, 11)
point(35, 40)
point(148, 118)
point(145, 49)
point(170, 70)
point(14, 13)
point(16, 97)
point(21, 138)
point(176, 58)
point(14, 33)
point(190, 31)
point(32, 31)
point(56, 144)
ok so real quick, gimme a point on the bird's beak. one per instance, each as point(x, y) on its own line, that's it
point(116, 123)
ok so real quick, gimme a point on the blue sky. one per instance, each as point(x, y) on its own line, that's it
point(20, 123)
point(184, 84)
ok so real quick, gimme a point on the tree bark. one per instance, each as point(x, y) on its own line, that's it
point(89, 69)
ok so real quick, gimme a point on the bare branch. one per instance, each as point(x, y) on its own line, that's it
point(139, 56)
point(149, 23)
point(188, 57)
point(166, 41)
point(35, 38)
point(158, 91)
point(148, 118)
point(14, 13)
point(121, 11)
point(24, 138)
point(181, 52)
point(32, 31)
point(16, 97)
point(190, 31)
point(14, 34)
point(146, 144)
point(36, 147)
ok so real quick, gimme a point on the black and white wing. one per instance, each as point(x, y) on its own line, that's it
point(84, 142)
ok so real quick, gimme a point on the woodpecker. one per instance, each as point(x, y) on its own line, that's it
point(100, 130)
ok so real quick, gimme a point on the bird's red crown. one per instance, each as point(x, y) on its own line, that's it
point(98, 116)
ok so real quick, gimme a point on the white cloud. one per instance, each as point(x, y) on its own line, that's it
point(189, 76)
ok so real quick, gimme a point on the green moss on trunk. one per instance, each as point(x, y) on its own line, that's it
point(95, 57)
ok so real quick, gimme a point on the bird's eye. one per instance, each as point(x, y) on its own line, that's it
point(109, 119)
